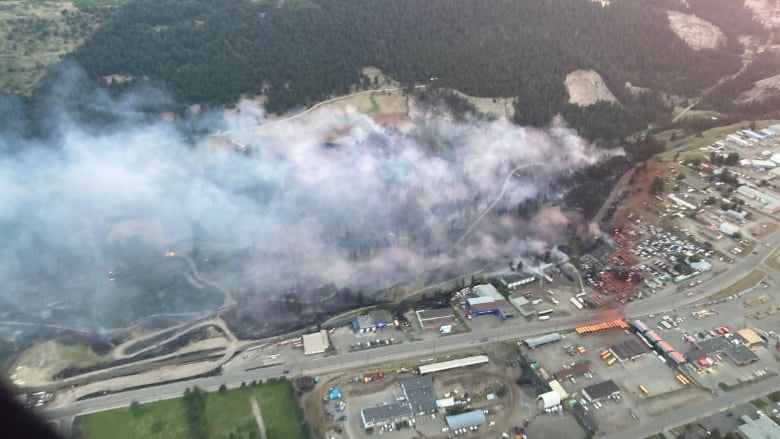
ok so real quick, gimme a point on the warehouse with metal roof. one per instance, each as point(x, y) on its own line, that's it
point(549, 399)
point(466, 420)
point(453, 364)
point(385, 413)
point(601, 390)
point(544, 339)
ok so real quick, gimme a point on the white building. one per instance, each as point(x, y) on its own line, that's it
point(315, 343)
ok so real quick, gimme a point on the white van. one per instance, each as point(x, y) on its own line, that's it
point(544, 317)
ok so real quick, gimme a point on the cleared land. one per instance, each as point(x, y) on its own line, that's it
point(770, 85)
point(586, 87)
point(226, 414)
point(37, 34)
point(695, 32)
point(765, 12)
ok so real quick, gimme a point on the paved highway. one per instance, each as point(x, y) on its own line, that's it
point(437, 347)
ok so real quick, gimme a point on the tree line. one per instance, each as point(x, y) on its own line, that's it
point(213, 51)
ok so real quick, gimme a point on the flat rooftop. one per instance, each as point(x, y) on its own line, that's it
point(629, 349)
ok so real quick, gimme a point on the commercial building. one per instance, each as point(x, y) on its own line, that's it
point(435, 318)
point(513, 281)
point(749, 337)
point(315, 343)
point(600, 391)
point(762, 428)
point(385, 414)
point(376, 319)
point(466, 420)
point(419, 394)
point(453, 364)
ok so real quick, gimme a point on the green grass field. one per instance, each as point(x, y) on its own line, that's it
point(228, 415)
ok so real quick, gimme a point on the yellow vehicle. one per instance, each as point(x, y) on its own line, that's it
point(684, 381)
point(605, 356)
point(643, 389)
point(611, 361)
point(581, 349)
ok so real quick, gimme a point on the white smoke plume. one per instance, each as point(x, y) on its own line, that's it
point(331, 197)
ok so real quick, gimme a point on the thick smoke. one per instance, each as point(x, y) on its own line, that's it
point(330, 197)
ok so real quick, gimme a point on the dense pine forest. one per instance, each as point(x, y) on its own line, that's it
point(300, 52)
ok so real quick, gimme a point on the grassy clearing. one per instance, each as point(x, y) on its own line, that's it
point(743, 284)
point(227, 414)
point(36, 34)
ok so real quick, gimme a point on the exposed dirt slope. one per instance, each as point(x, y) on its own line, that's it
point(586, 87)
point(766, 12)
point(696, 32)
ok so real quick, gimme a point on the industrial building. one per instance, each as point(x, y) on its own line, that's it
point(522, 304)
point(701, 266)
point(684, 200)
point(558, 388)
point(695, 183)
point(435, 318)
point(600, 391)
point(544, 339)
point(487, 290)
point(762, 428)
point(728, 229)
point(478, 306)
point(513, 281)
point(549, 399)
point(711, 232)
point(420, 395)
point(741, 355)
point(769, 199)
point(757, 164)
point(466, 420)
point(385, 414)
point(453, 364)
point(315, 343)
point(736, 216)
point(628, 350)
point(579, 368)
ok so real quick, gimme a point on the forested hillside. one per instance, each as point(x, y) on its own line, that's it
point(213, 51)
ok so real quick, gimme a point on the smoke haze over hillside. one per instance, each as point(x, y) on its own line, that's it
point(326, 198)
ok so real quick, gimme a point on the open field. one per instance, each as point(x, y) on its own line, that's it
point(37, 34)
point(743, 284)
point(227, 415)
